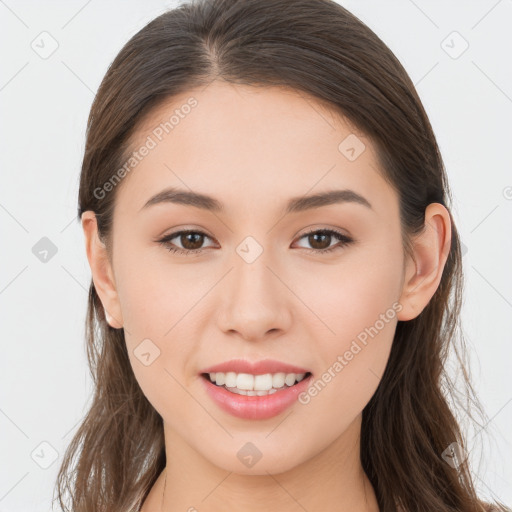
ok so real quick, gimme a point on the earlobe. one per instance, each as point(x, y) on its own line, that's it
point(101, 270)
point(423, 273)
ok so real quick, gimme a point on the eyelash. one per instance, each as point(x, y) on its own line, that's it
point(344, 241)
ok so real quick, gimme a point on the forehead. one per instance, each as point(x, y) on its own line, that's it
point(251, 146)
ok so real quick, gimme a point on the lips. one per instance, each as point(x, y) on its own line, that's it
point(255, 407)
point(255, 368)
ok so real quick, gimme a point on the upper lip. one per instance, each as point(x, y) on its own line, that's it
point(254, 368)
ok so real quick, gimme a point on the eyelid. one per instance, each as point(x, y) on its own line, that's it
point(313, 228)
point(178, 229)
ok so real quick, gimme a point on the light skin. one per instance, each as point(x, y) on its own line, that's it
point(253, 149)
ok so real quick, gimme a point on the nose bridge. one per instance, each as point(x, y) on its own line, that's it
point(252, 281)
point(253, 299)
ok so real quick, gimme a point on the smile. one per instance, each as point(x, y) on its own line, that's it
point(255, 397)
point(254, 385)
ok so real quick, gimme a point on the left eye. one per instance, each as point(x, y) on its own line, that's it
point(318, 238)
point(194, 240)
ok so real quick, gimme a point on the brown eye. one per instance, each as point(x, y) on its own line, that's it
point(191, 241)
point(320, 240)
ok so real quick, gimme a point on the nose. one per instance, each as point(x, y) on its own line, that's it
point(254, 301)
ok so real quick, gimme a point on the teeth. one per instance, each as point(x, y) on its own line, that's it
point(262, 382)
point(249, 384)
point(245, 381)
point(251, 393)
point(229, 379)
point(278, 380)
point(289, 380)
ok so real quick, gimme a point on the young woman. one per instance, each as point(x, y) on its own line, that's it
point(276, 274)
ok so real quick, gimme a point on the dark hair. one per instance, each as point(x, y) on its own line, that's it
point(318, 48)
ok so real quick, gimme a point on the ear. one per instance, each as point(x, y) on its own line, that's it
point(423, 272)
point(101, 269)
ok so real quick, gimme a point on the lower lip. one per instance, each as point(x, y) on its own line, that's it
point(255, 407)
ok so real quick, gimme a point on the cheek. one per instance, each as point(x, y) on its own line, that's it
point(358, 306)
point(157, 305)
point(351, 362)
point(154, 294)
point(352, 295)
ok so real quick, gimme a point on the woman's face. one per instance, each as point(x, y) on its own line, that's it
point(263, 287)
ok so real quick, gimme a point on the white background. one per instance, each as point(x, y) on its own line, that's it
point(45, 384)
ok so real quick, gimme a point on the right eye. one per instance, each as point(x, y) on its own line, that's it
point(191, 238)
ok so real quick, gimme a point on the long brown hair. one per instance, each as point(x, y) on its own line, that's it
point(319, 48)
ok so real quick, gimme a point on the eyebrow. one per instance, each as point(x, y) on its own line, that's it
point(294, 205)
